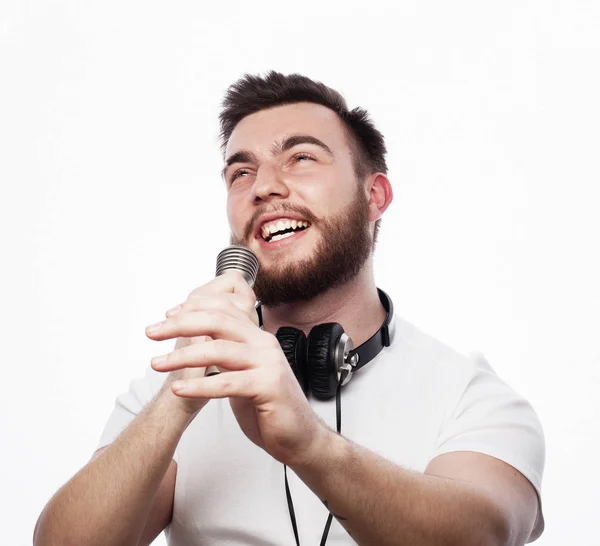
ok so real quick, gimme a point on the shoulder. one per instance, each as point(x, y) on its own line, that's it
point(474, 395)
point(429, 357)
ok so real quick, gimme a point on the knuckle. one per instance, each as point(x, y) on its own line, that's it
point(248, 293)
point(184, 342)
point(241, 303)
point(213, 347)
point(194, 293)
point(212, 317)
point(213, 321)
point(188, 353)
point(272, 381)
point(231, 280)
point(237, 274)
point(183, 308)
point(250, 303)
point(174, 357)
point(174, 321)
point(271, 341)
point(232, 307)
point(247, 383)
point(195, 340)
point(226, 383)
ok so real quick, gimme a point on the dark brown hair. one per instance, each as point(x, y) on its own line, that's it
point(251, 94)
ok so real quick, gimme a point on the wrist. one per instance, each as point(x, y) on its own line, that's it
point(327, 448)
point(178, 409)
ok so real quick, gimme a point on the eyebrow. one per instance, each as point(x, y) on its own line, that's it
point(246, 156)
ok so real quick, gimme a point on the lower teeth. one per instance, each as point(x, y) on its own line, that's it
point(282, 236)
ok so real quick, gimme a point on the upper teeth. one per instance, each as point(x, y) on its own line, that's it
point(280, 225)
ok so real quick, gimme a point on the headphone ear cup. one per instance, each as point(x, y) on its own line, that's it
point(321, 368)
point(293, 345)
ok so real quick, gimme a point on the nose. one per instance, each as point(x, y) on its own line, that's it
point(268, 185)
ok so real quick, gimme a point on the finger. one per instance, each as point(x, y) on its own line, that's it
point(216, 324)
point(231, 281)
point(230, 355)
point(239, 384)
point(232, 304)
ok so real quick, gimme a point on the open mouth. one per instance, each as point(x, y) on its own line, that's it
point(281, 229)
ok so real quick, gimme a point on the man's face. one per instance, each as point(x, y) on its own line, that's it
point(305, 179)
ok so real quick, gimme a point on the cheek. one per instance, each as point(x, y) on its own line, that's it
point(234, 216)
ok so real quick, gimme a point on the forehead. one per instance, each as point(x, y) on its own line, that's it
point(260, 130)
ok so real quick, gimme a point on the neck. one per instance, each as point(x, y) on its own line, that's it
point(355, 305)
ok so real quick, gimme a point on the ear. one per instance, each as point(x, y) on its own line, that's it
point(379, 195)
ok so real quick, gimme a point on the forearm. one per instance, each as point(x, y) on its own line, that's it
point(378, 502)
point(108, 501)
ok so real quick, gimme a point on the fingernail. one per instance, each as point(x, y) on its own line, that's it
point(154, 327)
point(180, 385)
point(159, 360)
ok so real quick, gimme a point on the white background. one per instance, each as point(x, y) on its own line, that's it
point(112, 208)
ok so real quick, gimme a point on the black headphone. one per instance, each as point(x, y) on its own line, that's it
point(327, 357)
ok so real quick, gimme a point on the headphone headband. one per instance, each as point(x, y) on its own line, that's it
point(368, 350)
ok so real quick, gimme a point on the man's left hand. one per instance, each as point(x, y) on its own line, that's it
point(263, 392)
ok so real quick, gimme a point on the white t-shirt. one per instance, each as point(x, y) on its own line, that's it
point(416, 400)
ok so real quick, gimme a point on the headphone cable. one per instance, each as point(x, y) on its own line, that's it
point(338, 412)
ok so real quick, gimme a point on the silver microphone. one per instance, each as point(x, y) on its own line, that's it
point(239, 258)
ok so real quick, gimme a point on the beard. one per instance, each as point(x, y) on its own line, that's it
point(342, 249)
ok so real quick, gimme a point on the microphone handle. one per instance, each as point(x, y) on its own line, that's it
point(212, 370)
point(239, 258)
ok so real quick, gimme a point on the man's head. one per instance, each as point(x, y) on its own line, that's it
point(293, 150)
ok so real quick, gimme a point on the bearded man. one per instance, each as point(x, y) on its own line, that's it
point(436, 449)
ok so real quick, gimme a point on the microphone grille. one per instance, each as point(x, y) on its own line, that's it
point(240, 258)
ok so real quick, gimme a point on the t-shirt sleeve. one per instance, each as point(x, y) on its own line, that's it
point(491, 418)
point(127, 405)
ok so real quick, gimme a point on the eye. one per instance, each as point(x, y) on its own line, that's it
point(237, 174)
point(302, 155)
